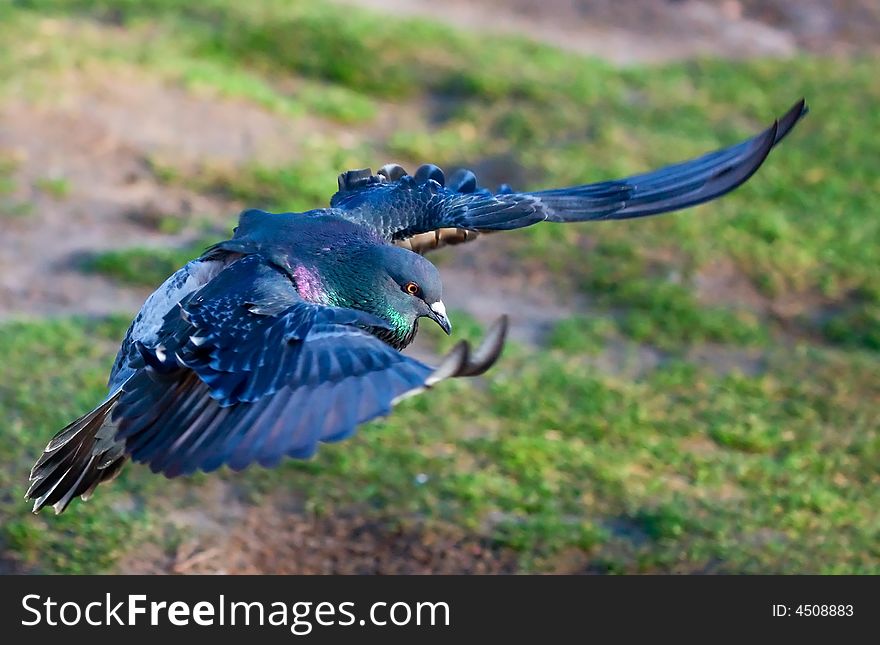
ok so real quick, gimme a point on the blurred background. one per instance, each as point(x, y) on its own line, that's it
point(693, 393)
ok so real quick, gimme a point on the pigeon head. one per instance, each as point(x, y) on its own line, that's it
point(409, 288)
point(390, 282)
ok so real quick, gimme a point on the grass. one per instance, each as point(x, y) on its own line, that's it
point(8, 165)
point(10, 207)
point(69, 358)
point(55, 187)
point(143, 266)
point(685, 466)
point(681, 469)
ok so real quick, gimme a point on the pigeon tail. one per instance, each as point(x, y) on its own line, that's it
point(77, 459)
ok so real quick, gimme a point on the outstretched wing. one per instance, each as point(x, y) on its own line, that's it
point(245, 371)
point(431, 212)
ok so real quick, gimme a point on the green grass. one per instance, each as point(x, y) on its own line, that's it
point(187, 47)
point(70, 361)
point(8, 165)
point(856, 326)
point(583, 334)
point(142, 266)
point(55, 187)
point(679, 470)
point(10, 207)
point(686, 466)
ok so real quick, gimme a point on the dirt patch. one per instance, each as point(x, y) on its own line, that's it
point(723, 360)
point(625, 359)
point(483, 279)
point(648, 31)
point(152, 116)
point(699, 445)
point(107, 181)
point(799, 313)
point(842, 26)
point(10, 566)
point(277, 537)
point(722, 283)
point(658, 31)
point(96, 138)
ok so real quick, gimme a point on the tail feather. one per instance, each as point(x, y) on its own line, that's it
point(77, 459)
point(108, 473)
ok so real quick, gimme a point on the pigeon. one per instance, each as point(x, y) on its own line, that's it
point(290, 333)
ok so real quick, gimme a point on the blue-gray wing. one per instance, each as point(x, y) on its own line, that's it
point(245, 371)
point(399, 206)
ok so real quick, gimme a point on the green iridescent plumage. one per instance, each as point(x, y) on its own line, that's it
point(335, 262)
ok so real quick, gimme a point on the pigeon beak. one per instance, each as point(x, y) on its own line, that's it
point(438, 315)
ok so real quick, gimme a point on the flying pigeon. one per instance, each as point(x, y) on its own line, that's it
point(290, 332)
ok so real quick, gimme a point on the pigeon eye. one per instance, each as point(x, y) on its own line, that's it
point(412, 288)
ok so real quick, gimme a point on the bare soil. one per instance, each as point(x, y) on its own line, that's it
point(98, 135)
point(269, 540)
point(626, 32)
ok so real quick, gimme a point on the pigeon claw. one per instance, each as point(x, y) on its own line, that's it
point(462, 362)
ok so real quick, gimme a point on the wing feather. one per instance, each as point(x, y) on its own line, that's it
point(413, 210)
point(310, 374)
